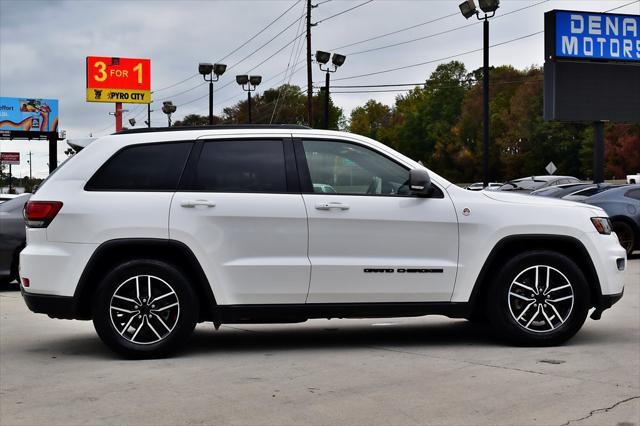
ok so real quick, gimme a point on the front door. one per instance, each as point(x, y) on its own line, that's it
point(370, 240)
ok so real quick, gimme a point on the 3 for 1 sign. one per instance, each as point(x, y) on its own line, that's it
point(126, 80)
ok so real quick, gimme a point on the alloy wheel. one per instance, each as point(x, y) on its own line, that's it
point(540, 298)
point(144, 309)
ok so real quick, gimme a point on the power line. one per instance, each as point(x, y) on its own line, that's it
point(437, 60)
point(396, 31)
point(343, 12)
point(624, 5)
point(442, 32)
point(263, 45)
point(259, 32)
point(175, 84)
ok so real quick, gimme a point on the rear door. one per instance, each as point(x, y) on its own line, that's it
point(370, 240)
point(241, 212)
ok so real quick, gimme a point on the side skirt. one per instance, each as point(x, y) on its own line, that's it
point(291, 313)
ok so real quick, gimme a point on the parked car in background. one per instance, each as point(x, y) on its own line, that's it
point(12, 236)
point(529, 184)
point(7, 197)
point(622, 204)
point(559, 191)
point(479, 186)
point(632, 179)
point(573, 192)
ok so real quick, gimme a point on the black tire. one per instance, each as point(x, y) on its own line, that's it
point(566, 307)
point(625, 234)
point(170, 326)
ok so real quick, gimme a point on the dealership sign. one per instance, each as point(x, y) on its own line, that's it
point(125, 80)
point(12, 158)
point(32, 115)
point(585, 35)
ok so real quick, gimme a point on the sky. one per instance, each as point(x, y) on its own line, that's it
point(44, 45)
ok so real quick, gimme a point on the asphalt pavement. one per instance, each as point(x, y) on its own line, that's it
point(430, 370)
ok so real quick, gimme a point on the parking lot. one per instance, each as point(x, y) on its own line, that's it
point(399, 371)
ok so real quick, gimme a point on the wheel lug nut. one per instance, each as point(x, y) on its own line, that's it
point(139, 316)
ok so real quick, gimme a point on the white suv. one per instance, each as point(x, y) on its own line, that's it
point(148, 232)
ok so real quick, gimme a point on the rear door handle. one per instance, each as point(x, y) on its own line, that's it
point(195, 203)
point(332, 205)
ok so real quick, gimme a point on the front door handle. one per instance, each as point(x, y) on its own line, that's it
point(332, 205)
point(195, 203)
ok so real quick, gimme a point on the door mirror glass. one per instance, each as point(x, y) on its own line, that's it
point(420, 182)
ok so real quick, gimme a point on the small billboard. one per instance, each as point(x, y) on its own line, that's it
point(111, 79)
point(31, 115)
point(11, 158)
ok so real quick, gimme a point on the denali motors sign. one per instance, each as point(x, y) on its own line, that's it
point(12, 158)
point(592, 66)
point(582, 35)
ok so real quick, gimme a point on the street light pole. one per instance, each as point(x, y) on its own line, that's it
point(325, 123)
point(209, 70)
point(485, 103)
point(468, 9)
point(169, 108)
point(249, 84)
point(322, 58)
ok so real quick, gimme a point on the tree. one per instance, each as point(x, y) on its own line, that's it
point(372, 120)
point(196, 120)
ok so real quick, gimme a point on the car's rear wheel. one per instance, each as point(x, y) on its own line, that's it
point(145, 309)
point(625, 234)
point(539, 298)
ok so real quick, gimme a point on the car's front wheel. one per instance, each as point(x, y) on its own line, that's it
point(539, 298)
point(145, 309)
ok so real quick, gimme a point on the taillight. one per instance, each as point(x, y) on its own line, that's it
point(39, 214)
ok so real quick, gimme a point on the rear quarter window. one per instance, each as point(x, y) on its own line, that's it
point(633, 193)
point(148, 167)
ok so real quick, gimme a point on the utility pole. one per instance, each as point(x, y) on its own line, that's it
point(30, 173)
point(149, 114)
point(309, 72)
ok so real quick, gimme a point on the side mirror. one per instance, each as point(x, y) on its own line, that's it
point(420, 182)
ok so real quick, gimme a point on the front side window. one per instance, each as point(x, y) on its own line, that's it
point(348, 169)
point(149, 167)
point(241, 166)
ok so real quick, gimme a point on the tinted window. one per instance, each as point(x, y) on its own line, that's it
point(241, 166)
point(344, 168)
point(633, 193)
point(155, 167)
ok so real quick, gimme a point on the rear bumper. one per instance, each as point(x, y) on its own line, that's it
point(63, 307)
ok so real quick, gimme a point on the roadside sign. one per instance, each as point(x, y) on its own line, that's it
point(126, 80)
point(31, 116)
point(551, 168)
point(11, 158)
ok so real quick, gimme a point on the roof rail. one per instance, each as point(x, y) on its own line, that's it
point(214, 127)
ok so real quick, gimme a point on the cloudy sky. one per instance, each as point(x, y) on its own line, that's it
point(43, 46)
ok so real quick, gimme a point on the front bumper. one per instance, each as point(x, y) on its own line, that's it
point(62, 307)
point(605, 302)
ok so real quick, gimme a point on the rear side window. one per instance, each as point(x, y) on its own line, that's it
point(152, 167)
point(633, 193)
point(241, 166)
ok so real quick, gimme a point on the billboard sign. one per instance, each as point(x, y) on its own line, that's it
point(29, 115)
point(595, 36)
point(11, 158)
point(126, 80)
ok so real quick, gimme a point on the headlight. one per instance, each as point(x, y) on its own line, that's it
point(602, 224)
